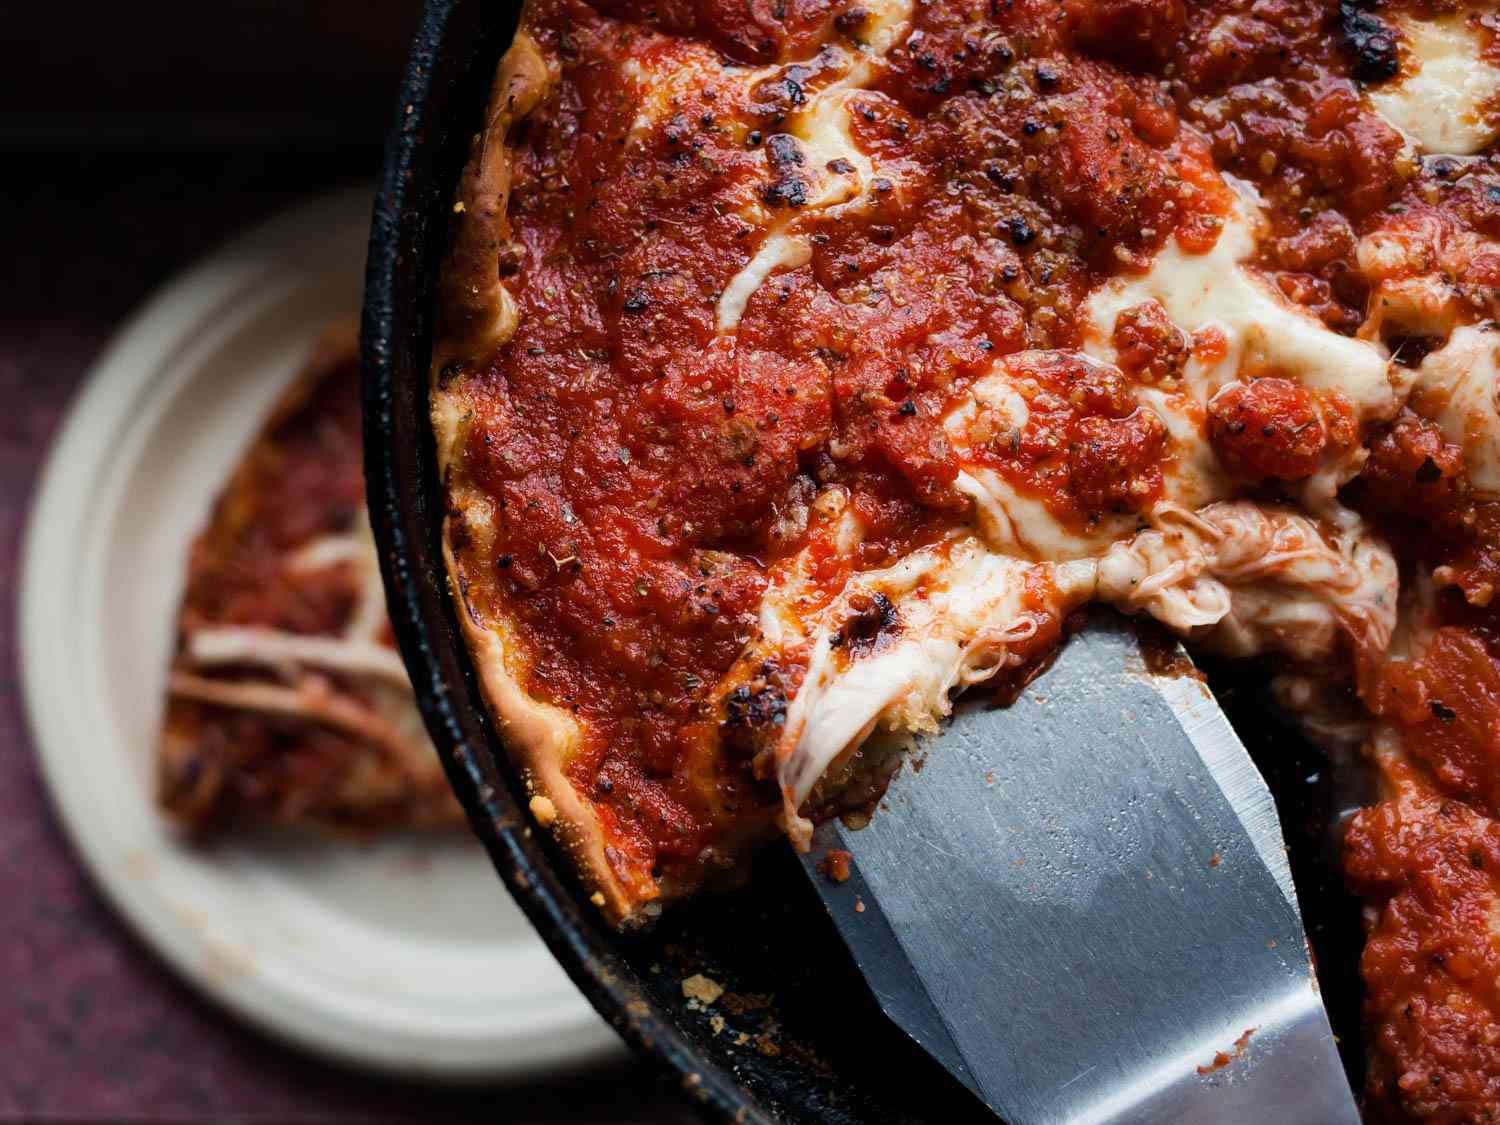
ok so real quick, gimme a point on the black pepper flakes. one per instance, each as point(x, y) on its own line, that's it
point(787, 192)
point(783, 151)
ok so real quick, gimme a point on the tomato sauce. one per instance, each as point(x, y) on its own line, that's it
point(1430, 963)
point(301, 481)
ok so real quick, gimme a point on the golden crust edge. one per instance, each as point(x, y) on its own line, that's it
point(476, 315)
point(539, 738)
point(476, 312)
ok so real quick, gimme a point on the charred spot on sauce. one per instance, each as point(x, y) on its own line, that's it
point(783, 151)
point(1371, 41)
point(780, 94)
point(872, 618)
point(788, 191)
point(851, 21)
point(755, 707)
point(755, 711)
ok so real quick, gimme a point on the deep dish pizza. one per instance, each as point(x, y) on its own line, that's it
point(803, 363)
point(287, 702)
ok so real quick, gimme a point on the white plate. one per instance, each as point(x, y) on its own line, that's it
point(407, 955)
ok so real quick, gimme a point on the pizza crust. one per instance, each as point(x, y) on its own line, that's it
point(477, 314)
point(540, 738)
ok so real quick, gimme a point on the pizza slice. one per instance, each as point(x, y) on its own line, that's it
point(286, 700)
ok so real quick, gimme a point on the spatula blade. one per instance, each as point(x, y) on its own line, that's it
point(1081, 906)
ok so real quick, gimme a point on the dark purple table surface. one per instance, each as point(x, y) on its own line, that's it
point(92, 1026)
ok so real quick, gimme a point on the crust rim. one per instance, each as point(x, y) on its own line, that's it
point(477, 315)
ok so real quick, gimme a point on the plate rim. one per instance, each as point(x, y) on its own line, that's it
point(136, 356)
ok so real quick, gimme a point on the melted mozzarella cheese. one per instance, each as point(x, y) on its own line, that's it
point(778, 252)
point(823, 129)
point(1010, 521)
point(1013, 523)
point(663, 81)
point(1447, 100)
point(1263, 334)
point(823, 126)
point(1192, 477)
point(290, 652)
point(960, 606)
point(356, 652)
point(1251, 579)
point(1241, 577)
point(835, 172)
point(1456, 387)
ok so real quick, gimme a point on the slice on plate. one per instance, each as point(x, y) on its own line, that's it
point(287, 702)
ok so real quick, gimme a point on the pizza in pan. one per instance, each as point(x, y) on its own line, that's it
point(287, 702)
point(803, 364)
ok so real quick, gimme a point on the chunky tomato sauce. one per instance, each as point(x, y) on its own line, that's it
point(651, 470)
point(300, 481)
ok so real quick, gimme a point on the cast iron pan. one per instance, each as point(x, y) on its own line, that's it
point(797, 1037)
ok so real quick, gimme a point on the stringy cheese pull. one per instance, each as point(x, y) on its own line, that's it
point(1248, 579)
point(957, 611)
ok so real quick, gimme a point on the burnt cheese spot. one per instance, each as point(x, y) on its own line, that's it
point(1371, 41)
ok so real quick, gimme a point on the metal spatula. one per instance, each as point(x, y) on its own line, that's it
point(1081, 906)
